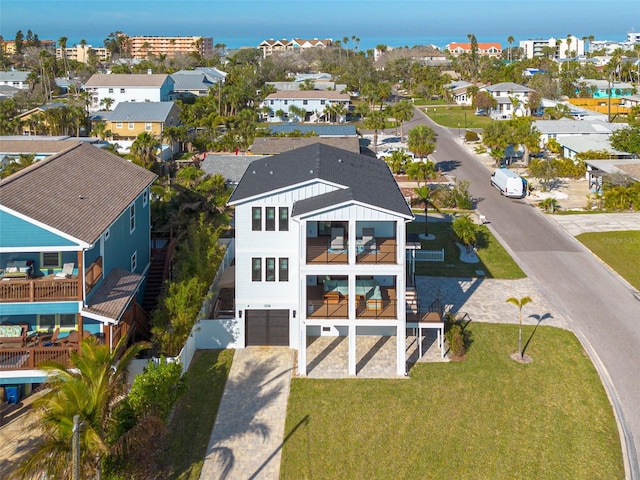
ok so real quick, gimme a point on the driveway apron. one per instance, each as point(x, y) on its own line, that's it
point(247, 439)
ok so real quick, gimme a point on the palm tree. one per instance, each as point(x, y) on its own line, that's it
point(425, 196)
point(375, 120)
point(144, 149)
point(510, 40)
point(466, 230)
point(107, 103)
point(422, 141)
point(403, 112)
point(549, 204)
point(91, 388)
point(519, 303)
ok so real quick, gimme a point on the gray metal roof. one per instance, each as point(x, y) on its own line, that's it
point(585, 143)
point(137, 112)
point(362, 179)
point(321, 130)
point(131, 80)
point(13, 76)
point(566, 126)
point(507, 87)
point(191, 81)
point(231, 167)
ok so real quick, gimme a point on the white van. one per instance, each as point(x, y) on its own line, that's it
point(509, 183)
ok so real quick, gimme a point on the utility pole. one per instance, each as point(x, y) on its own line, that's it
point(75, 448)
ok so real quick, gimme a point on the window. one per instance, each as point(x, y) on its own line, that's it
point(271, 102)
point(47, 322)
point(122, 90)
point(271, 270)
point(50, 260)
point(322, 102)
point(283, 270)
point(132, 218)
point(67, 321)
point(286, 102)
point(111, 90)
point(145, 198)
point(283, 224)
point(256, 219)
point(134, 261)
point(305, 102)
point(131, 125)
point(118, 124)
point(147, 127)
point(270, 213)
point(256, 270)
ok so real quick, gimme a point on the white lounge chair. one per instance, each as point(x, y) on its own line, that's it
point(337, 238)
point(368, 239)
point(67, 271)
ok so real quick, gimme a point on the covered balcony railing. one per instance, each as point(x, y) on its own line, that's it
point(49, 288)
point(28, 358)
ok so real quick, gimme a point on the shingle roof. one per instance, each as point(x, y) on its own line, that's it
point(275, 145)
point(114, 295)
point(80, 191)
point(23, 146)
point(363, 179)
point(231, 167)
point(507, 87)
point(320, 130)
point(139, 112)
point(126, 80)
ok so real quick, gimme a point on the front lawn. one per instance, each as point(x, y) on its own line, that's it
point(620, 250)
point(457, 117)
point(195, 413)
point(494, 259)
point(486, 417)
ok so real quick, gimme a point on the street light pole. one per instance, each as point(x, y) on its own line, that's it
point(458, 129)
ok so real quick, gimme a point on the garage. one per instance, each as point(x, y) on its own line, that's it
point(267, 327)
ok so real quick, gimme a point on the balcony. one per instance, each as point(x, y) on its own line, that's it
point(49, 288)
point(28, 358)
point(44, 289)
point(335, 305)
point(381, 251)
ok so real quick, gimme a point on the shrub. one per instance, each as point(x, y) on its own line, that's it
point(455, 339)
point(471, 136)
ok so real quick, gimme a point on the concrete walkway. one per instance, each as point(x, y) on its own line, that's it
point(247, 439)
point(597, 222)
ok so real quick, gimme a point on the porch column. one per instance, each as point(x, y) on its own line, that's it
point(352, 349)
point(80, 323)
point(81, 275)
point(401, 345)
point(302, 350)
point(351, 242)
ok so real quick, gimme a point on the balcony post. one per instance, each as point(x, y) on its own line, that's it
point(81, 275)
point(32, 292)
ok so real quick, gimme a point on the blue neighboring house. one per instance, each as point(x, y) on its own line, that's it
point(74, 252)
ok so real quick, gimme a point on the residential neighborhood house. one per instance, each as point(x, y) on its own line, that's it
point(316, 105)
point(74, 252)
point(512, 99)
point(320, 250)
point(138, 87)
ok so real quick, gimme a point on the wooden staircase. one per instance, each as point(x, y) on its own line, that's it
point(412, 301)
point(156, 276)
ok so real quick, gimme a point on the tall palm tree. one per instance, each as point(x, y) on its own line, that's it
point(519, 302)
point(403, 112)
point(510, 40)
point(90, 387)
point(425, 196)
point(375, 120)
point(422, 141)
point(144, 149)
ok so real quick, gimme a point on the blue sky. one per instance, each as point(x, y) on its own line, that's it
point(223, 20)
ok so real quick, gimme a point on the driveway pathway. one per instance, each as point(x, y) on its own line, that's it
point(597, 222)
point(247, 439)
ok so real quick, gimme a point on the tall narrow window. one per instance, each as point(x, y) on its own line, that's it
point(134, 261)
point(271, 270)
point(132, 218)
point(256, 269)
point(283, 270)
point(283, 224)
point(270, 222)
point(256, 219)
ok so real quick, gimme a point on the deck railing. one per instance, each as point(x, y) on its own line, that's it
point(28, 358)
point(93, 274)
point(39, 290)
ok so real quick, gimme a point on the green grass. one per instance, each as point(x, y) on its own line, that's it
point(494, 259)
point(192, 424)
point(620, 250)
point(485, 418)
point(454, 116)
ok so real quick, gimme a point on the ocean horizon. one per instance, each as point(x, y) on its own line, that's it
point(369, 42)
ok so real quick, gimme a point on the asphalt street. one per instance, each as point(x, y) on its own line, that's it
point(602, 309)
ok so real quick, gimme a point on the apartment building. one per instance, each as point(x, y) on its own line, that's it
point(142, 47)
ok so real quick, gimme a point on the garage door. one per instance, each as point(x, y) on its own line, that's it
point(267, 327)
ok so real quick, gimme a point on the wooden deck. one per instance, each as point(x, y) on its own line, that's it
point(318, 251)
point(321, 305)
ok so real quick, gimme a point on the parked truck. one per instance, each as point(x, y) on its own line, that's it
point(509, 183)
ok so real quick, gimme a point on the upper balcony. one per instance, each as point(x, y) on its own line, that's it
point(24, 286)
point(332, 242)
